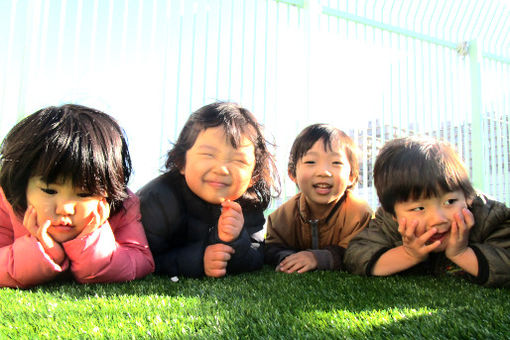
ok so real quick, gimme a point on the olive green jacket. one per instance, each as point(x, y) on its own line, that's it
point(489, 238)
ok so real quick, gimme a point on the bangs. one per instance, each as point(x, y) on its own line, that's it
point(74, 154)
point(237, 124)
point(409, 170)
point(424, 182)
point(67, 143)
point(308, 137)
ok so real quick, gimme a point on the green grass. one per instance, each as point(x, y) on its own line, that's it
point(263, 304)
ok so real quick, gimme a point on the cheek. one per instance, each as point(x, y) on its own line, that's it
point(44, 210)
point(302, 177)
point(84, 210)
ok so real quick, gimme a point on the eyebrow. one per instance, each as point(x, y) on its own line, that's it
point(314, 153)
point(207, 147)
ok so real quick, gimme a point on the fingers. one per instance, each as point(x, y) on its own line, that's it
point(230, 222)
point(234, 206)
point(291, 264)
point(299, 262)
point(97, 218)
point(462, 222)
point(220, 251)
point(216, 259)
point(407, 230)
point(44, 237)
point(30, 220)
point(468, 218)
point(431, 247)
point(292, 268)
point(231, 212)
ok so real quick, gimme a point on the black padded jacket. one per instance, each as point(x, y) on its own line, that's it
point(179, 226)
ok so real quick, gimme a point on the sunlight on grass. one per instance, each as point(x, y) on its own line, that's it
point(259, 305)
point(361, 322)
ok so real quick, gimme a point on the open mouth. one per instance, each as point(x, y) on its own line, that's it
point(437, 237)
point(322, 188)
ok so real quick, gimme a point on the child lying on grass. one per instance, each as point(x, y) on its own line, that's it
point(203, 216)
point(431, 220)
point(64, 204)
point(313, 228)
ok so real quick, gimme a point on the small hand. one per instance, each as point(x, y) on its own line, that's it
point(231, 221)
point(459, 233)
point(216, 257)
point(414, 239)
point(51, 247)
point(97, 218)
point(301, 262)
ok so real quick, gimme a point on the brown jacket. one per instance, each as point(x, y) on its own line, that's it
point(291, 229)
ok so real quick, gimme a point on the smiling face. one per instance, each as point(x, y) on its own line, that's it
point(435, 211)
point(322, 175)
point(215, 170)
point(69, 209)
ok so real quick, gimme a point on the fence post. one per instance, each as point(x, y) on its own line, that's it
point(312, 11)
point(477, 140)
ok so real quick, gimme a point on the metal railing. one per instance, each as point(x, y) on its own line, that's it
point(374, 69)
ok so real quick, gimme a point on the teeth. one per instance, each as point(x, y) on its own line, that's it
point(322, 185)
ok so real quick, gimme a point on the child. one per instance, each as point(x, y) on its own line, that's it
point(312, 229)
point(64, 205)
point(431, 219)
point(203, 215)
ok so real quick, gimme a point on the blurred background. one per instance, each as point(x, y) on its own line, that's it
point(375, 69)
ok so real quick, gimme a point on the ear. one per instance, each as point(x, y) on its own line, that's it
point(351, 180)
point(291, 176)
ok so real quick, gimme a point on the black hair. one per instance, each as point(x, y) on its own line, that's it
point(69, 141)
point(414, 168)
point(236, 122)
point(327, 133)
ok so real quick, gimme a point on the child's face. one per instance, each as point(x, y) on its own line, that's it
point(323, 175)
point(215, 170)
point(435, 211)
point(68, 208)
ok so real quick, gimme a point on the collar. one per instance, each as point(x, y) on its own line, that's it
point(304, 209)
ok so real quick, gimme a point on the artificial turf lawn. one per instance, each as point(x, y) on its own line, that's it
point(262, 304)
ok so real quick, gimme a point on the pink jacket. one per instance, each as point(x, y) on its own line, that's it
point(116, 251)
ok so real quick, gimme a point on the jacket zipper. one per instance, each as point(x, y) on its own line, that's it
point(315, 233)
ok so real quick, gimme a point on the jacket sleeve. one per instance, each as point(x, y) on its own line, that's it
point(368, 245)
point(276, 249)
point(23, 261)
point(490, 241)
point(117, 251)
point(163, 220)
point(249, 246)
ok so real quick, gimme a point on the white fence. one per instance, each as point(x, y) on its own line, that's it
point(375, 69)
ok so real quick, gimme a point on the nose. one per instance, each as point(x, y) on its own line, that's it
point(437, 217)
point(221, 169)
point(65, 208)
point(324, 171)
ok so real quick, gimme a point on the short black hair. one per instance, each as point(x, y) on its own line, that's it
point(69, 141)
point(236, 122)
point(416, 167)
point(327, 133)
